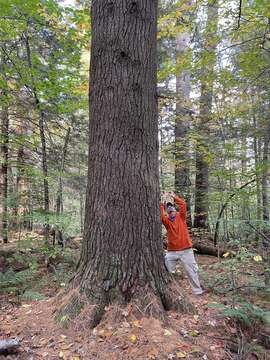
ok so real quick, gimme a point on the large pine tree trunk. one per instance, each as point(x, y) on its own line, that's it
point(122, 252)
point(203, 127)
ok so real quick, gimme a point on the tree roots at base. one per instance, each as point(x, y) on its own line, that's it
point(78, 308)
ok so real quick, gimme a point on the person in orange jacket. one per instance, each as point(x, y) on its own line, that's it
point(179, 243)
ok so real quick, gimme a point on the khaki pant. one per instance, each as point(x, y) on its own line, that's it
point(187, 259)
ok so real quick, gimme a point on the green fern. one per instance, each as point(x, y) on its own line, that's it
point(245, 313)
point(13, 279)
point(32, 296)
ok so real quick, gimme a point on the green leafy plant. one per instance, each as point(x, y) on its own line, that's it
point(32, 296)
point(244, 313)
point(11, 280)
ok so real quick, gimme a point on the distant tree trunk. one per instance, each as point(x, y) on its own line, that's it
point(265, 175)
point(245, 214)
point(182, 123)
point(22, 206)
point(5, 155)
point(59, 199)
point(122, 250)
point(265, 203)
point(203, 127)
point(22, 192)
point(41, 123)
point(256, 148)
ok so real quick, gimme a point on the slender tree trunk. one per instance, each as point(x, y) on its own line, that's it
point(22, 183)
point(265, 175)
point(59, 199)
point(203, 127)
point(257, 162)
point(5, 155)
point(245, 214)
point(122, 252)
point(182, 123)
point(41, 123)
point(265, 204)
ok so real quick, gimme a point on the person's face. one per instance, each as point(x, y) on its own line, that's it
point(172, 213)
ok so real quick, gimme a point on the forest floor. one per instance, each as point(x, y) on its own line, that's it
point(230, 322)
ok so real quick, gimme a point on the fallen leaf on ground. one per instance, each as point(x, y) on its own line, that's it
point(181, 354)
point(167, 332)
point(194, 333)
point(257, 258)
point(133, 338)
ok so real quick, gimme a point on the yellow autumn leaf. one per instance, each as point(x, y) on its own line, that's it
point(181, 354)
point(257, 258)
point(61, 355)
point(133, 339)
point(226, 254)
point(194, 333)
point(167, 332)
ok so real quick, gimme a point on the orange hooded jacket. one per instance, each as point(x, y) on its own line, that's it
point(177, 231)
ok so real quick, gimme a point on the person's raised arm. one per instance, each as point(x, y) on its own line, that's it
point(182, 206)
point(164, 218)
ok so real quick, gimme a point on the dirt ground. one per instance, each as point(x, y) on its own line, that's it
point(201, 336)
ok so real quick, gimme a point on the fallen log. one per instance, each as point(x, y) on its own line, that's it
point(208, 249)
point(9, 346)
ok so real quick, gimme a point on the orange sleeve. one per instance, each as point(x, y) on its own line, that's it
point(182, 206)
point(164, 218)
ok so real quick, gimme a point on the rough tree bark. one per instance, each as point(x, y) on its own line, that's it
point(4, 151)
point(122, 256)
point(182, 122)
point(203, 127)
